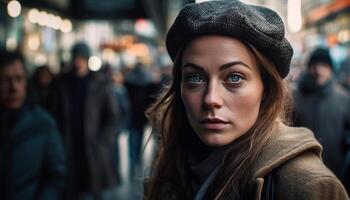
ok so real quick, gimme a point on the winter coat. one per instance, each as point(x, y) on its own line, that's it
point(123, 101)
point(326, 111)
point(141, 90)
point(292, 159)
point(293, 156)
point(32, 158)
point(100, 122)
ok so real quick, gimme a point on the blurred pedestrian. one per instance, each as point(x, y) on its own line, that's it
point(139, 83)
point(221, 121)
point(40, 86)
point(344, 74)
point(86, 110)
point(121, 94)
point(32, 158)
point(322, 105)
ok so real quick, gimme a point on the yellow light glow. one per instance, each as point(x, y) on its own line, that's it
point(294, 16)
point(95, 63)
point(43, 18)
point(14, 8)
point(33, 15)
point(139, 50)
point(11, 44)
point(344, 36)
point(50, 20)
point(108, 55)
point(56, 22)
point(66, 26)
point(33, 42)
point(40, 59)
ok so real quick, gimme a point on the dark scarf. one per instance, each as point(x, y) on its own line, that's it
point(202, 161)
point(9, 118)
point(308, 85)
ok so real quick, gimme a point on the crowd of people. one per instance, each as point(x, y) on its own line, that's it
point(226, 124)
point(59, 132)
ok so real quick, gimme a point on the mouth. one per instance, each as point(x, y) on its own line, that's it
point(213, 123)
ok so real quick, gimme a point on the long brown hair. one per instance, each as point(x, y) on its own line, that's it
point(169, 120)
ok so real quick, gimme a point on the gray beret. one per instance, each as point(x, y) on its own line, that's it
point(259, 26)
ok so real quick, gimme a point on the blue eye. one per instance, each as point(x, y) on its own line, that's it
point(194, 78)
point(234, 78)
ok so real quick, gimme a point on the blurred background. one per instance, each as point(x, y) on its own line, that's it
point(122, 31)
point(127, 34)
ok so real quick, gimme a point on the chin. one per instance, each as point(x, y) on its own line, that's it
point(215, 139)
point(14, 105)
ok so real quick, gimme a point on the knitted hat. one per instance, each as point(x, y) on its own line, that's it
point(320, 55)
point(259, 26)
point(81, 49)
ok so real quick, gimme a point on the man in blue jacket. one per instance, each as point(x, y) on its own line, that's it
point(32, 161)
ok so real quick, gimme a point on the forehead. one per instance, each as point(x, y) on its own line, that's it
point(13, 68)
point(215, 49)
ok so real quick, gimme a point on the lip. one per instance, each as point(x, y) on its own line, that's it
point(213, 123)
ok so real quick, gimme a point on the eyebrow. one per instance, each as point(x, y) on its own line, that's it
point(222, 67)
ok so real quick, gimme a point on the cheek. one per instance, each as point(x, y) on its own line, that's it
point(21, 90)
point(191, 101)
point(245, 106)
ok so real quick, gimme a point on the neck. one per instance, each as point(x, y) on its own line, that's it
point(81, 74)
point(8, 118)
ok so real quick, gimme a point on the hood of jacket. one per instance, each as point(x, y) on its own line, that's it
point(285, 143)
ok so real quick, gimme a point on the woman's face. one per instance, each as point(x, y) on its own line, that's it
point(221, 88)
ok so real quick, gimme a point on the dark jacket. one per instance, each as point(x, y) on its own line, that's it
point(99, 122)
point(32, 158)
point(122, 97)
point(326, 111)
point(140, 86)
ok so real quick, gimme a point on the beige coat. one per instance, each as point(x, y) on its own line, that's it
point(294, 155)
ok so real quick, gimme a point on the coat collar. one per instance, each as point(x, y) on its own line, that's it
point(285, 143)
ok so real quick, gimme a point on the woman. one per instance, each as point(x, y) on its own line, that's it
point(221, 121)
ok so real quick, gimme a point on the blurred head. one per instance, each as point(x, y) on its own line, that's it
point(117, 77)
point(43, 76)
point(12, 80)
point(80, 58)
point(320, 66)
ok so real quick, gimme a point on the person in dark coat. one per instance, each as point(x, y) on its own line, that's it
point(32, 157)
point(86, 111)
point(121, 94)
point(40, 86)
point(322, 105)
point(139, 83)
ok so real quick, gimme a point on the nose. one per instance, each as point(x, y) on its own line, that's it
point(213, 97)
point(14, 85)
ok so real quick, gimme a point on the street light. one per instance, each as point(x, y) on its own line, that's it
point(294, 15)
point(14, 8)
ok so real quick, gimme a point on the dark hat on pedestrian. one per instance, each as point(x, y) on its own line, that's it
point(320, 55)
point(259, 26)
point(81, 49)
